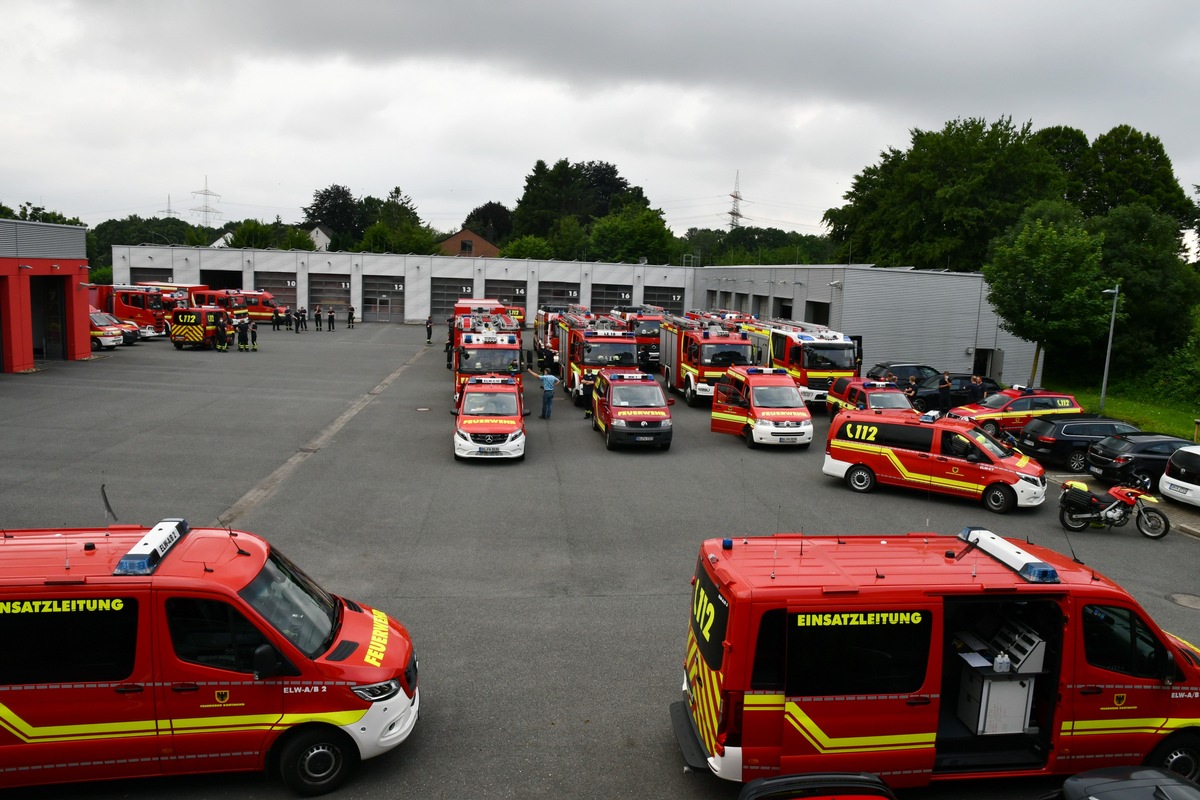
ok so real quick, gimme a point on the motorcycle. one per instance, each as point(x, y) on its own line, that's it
point(1080, 508)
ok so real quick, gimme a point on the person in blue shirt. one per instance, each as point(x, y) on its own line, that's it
point(548, 383)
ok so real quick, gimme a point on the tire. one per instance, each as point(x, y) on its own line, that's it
point(1179, 754)
point(920, 405)
point(689, 396)
point(1076, 461)
point(95, 345)
point(608, 440)
point(748, 437)
point(990, 428)
point(1071, 522)
point(1152, 523)
point(178, 345)
point(999, 499)
point(316, 761)
point(1142, 480)
point(860, 478)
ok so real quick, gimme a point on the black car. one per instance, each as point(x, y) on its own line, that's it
point(901, 369)
point(930, 397)
point(1129, 783)
point(1133, 457)
point(1064, 438)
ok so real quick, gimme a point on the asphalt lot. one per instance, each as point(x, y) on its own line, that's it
point(547, 599)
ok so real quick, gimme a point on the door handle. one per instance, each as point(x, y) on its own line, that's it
point(1090, 690)
point(917, 700)
point(129, 688)
point(184, 687)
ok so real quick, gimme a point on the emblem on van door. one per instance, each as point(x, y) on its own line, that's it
point(222, 695)
point(1118, 699)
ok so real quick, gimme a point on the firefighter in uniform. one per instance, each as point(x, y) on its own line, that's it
point(254, 337)
point(243, 334)
point(219, 331)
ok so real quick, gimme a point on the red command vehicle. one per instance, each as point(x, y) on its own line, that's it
point(197, 327)
point(763, 406)
point(491, 419)
point(1010, 409)
point(261, 305)
point(862, 393)
point(583, 349)
point(923, 658)
point(141, 305)
point(106, 334)
point(232, 300)
point(628, 407)
point(812, 354)
point(485, 343)
point(133, 652)
point(695, 355)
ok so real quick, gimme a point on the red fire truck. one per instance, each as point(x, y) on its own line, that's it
point(262, 305)
point(729, 320)
point(695, 355)
point(583, 349)
point(174, 295)
point(485, 343)
point(813, 355)
point(545, 335)
point(141, 305)
point(645, 323)
point(232, 300)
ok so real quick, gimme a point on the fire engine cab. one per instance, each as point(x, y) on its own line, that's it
point(763, 406)
point(491, 422)
point(644, 322)
point(629, 407)
point(695, 355)
point(585, 348)
point(132, 652)
point(813, 355)
point(923, 657)
point(485, 343)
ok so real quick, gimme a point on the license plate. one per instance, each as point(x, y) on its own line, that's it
point(1174, 488)
point(1095, 470)
point(788, 439)
point(1029, 442)
point(489, 449)
point(643, 438)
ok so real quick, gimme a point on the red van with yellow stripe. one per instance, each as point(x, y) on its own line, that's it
point(924, 657)
point(130, 652)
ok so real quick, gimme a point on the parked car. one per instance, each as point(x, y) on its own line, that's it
point(1133, 457)
point(1010, 409)
point(1129, 783)
point(928, 397)
point(901, 369)
point(1064, 438)
point(1181, 480)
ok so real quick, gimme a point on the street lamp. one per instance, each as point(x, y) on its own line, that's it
point(1112, 323)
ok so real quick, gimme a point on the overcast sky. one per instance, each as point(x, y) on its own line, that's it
point(113, 106)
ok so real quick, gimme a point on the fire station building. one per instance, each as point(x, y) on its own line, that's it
point(938, 318)
point(43, 309)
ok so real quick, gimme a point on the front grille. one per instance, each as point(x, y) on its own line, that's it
point(489, 438)
point(789, 423)
point(644, 425)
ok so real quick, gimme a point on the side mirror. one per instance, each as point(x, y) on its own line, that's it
point(670, 401)
point(266, 662)
point(1169, 669)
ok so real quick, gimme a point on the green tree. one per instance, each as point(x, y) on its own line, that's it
point(6, 212)
point(252, 233)
point(939, 204)
point(631, 235)
point(1133, 167)
point(528, 247)
point(569, 240)
point(1070, 150)
point(1046, 287)
point(586, 191)
point(336, 208)
point(493, 221)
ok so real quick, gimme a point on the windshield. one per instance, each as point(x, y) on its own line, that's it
point(494, 360)
point(99, 320)
point(987, 443)
point(725, 355)
point(776, 397)
point(237, 301)
point(293, 604)
point(597, 354)
point(828, 356)
point(996, 401)
point(647, 327)
point(154, 302)
point(888, 400)
point(638, 396)
point(483, 404)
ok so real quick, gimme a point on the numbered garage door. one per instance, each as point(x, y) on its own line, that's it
point(327, 290)
point(669, 297)
point(281, 285)
point(511, 293)
point(557, 293)
point(383, 298)
point(607, 296)
point(444, 293)
point(150, 274)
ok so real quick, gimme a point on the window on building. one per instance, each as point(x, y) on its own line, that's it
point(466, 247)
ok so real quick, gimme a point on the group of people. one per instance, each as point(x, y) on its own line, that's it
point(975, 390)
point(298, 319)
point(244, 330)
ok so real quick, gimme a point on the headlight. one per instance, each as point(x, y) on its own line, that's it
point(1030, 479)
point(666, 423)
point(618, 423)
point(762, 423)
point(516, 437)
point(466, 437)
point(377, 692)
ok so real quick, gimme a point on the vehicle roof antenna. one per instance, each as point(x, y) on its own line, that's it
point(232, 535)
point(1071, 547)
point(108, 509)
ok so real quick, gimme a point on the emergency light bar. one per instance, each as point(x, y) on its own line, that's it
point(1031, 569)
point(631, 376)
point(143, 558)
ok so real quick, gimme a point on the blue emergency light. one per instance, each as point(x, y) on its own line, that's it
point(144, 557)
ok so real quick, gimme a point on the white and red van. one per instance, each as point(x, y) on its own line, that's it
point(763, 406)
point(491, 418)
point(629, 407)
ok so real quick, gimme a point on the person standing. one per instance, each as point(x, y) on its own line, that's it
point(975, 389)
point(944, 386)
point(296, 320)
point(330, 319)
point(219, 333)
point(275, 319)
point(429, 330)
point(350, 317)
point(304, 318)
point(548, 382)
point(243, 335)
point(910, 391)
point(254, 337)
point(317, 317)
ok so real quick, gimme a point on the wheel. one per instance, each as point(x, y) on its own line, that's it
point(1077, 461)
point(178, 345)
point(1152, 523)
point(95, 344)
point(316, 761)
point(920, 405)
point(608, 440)
point(1141, 479)
point(860, 478)
point(999, 498)
point(833, 411)
point(689, 395)
point(990, 428)
point(1073, 522)
point(748, 437)
point(1180, 754)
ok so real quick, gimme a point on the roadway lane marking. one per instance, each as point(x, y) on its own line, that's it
point(270, 484)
